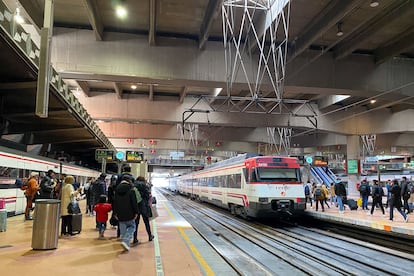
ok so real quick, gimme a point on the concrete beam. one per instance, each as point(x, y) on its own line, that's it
point(18, 85)
point(34, 11)
point(396, 46)
point(213, 9)
point(333, 12)
point(152, 22)
point(118, 91)
point(95, 18)
point(151, 92)
point(85, 87)
point(392, 12)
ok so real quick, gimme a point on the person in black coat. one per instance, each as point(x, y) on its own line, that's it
point(395, 201)
point(340, 193)
point(405, 194)
point(377, 194)
point(125, 209)
point(144, 208)
point(47, 185)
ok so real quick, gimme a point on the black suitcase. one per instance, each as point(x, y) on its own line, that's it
point(352, 204)
point(76, 223)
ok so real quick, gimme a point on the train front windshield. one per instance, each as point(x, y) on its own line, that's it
point(266, 174)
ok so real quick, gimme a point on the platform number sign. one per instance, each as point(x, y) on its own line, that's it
point(108, 155)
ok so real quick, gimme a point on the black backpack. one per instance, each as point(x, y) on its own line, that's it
point(377, 192)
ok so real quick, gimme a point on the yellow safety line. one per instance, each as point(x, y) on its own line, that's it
point(193, 248)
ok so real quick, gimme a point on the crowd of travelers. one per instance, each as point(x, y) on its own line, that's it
point(127, 197)
point(396, 194)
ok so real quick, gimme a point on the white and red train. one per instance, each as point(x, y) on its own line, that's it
point(16, 164)
point(249, 186)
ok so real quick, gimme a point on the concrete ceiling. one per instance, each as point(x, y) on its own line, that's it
point(375, 35)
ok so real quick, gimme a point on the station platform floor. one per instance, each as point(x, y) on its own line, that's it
point(360, 218)
point(176, 250)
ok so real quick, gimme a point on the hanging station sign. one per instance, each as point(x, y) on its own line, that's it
point(134, 156)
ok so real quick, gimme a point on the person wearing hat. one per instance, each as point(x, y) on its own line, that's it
point(30, 192)
point(47, 185)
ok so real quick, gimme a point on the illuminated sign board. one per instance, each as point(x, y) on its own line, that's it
point(134, 156)
point(320, 161)
point(107, 155)
point(352, 166)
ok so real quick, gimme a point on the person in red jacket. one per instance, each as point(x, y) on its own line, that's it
point(102, 208)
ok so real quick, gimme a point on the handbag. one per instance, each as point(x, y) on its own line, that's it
point(154, 212)
point(73, 208)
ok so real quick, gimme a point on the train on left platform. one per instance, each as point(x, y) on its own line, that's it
point(16, 164)
point(249, 185)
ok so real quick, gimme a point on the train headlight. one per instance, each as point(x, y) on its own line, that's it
point(263, 199)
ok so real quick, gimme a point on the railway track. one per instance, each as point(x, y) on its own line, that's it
point(256, 249)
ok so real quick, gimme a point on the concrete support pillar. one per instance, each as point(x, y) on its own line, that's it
point(139, 169)
point(353, 152)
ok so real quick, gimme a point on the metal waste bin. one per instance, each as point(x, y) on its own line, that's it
point(3, 220)
point(45, 233)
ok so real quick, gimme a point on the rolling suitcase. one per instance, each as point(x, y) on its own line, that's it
point(352, 204)
point(76, 223)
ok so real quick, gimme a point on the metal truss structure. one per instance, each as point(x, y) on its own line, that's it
point(191, 140)
point(282, 144)
point(368, 143)
point(251, 27)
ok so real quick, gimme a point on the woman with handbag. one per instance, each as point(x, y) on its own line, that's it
point(68, 195)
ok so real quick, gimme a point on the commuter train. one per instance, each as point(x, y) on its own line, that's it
point(16, 164)
point(249, 186)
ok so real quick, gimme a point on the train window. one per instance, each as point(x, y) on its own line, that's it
point(235, 181)
point(277, 174)
point(9, 172)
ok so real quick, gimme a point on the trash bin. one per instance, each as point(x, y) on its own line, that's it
point(45, 233)
point(3, 220)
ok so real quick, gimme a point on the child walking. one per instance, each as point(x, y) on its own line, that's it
point(102, 209)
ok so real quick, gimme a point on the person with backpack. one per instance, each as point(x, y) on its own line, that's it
point(144, 208)
point(377, 194)
point(365, 191)
point(405, 193)
point(395, 201)
point(319, 197)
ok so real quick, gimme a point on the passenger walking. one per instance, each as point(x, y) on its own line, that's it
point(319, 197)
point(102, 209)
point(68, 194)
point(308, 196)
point(405, 193)
point(388, 186)
point(332, 192)
point(395, 201)
point(30, 192)
point(98, 188)
point(377, 194)
point(340, 192)
point(325, 194)
point(87, 189)
point(47, 185)
point(125, 208)
point(365, 191)
point(144, 208)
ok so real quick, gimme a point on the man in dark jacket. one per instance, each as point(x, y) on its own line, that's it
point(377, 194)
point(98, 188)
point(365, 191)
point(405, 194)
point(125, 208)
point(47, 185)
point(340, 193)
point(395, 201)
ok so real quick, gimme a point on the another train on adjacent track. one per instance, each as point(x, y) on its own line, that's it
point(249, 186)
point(16, 164)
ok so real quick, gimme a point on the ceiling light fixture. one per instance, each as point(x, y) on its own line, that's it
point(374, 4)
point(17, 17)
point(339, 32)
point(121, 11)
point(134, 86)
point(373, 101)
